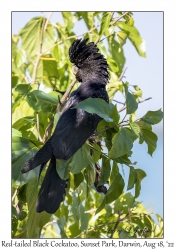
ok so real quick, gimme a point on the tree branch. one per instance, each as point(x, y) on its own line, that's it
point(117, 222)
point(116, 20)
point(37, 126)
point(65, 96)
point(122, 75)
point(144, 100)
point(15, 193)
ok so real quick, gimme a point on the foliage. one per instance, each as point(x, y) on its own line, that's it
point(41, 73)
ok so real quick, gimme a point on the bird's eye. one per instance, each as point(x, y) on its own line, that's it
point(75, 70)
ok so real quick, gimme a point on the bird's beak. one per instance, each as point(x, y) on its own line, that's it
point(75, 70)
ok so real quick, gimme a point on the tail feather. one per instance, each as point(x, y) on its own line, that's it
point(42, 156)
point(52, 190)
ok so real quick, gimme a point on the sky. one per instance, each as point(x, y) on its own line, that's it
point(147, 73)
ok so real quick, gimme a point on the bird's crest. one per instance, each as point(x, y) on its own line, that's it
point(88, 60)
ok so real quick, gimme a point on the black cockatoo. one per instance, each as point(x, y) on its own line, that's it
point(74, 126)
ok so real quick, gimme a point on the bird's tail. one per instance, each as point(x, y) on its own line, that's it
point(52, 190)
point(42, 156)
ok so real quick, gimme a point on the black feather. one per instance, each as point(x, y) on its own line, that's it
point(52, 190)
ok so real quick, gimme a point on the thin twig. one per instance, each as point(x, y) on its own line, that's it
point(120, 110)
point(37, 123)
point(124, 107)
point(36, 63)
point(119, 102)
point(122, 75)
point(116, 125)
point(65, 96)
point(15, 193)
point(145, 100)
point(116, 20)
point(48, 130)
point(37, 126)
point(98, 150)
point(117, 222)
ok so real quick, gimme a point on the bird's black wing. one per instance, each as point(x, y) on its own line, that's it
point(74, 127)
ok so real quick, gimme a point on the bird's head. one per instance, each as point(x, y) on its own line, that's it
point(88, 63)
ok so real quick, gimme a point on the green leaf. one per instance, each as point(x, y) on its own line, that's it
point(35, 220)
point(15, 132)
point(113, 86)
point(132, 178)
point(114, 114)
point(69, 20)
point(78, 179)
point(105, 21)
point(117, 53)
point(22, 110)
point(31, 35)
point(159, 228)
point(134, 37)
point(19, 57)
point(40, 101)
point(14, 80)
point(80, 160)
point(19, 94)
point(112, 65)
point(105, 171)
point(131, 104)
point(87, 17)
point(135, 127)
point(14, 225)
point(114, 191)
point(56, 118)
point(114, 170)
point(153, 117)
point(96, 106)
point(49, 67)
point(97, 13)
point(144, 125)
point(22, 151)
point(51, 231)
point(151, 140)
point(25, 125)
point(138, 91)
point(84, 218)
point(140, 176)
point(122, 143)
point(123, 203)
point(96, 152)
point(25, 122)
point(122, 36)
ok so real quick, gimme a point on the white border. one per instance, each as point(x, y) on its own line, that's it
point(5, 94)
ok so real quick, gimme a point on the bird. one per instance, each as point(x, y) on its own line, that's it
point(74, 126)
